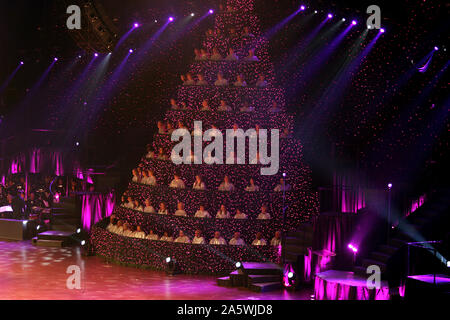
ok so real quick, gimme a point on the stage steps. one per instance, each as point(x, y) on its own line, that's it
point(65, 215)
point(297, 243)
point(53, 239)
point(256, 276)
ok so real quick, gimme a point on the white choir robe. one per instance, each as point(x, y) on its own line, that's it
point(135, 179)
point(280, 188)
point(111, 227)
point(184, 239)
point(237, 242)
point(149, 209)
point(127, 233)
point(150, 181)
point(199, 186)
point(202, 214)
point(221, 83)
point(140, 208)
point(163, 211)
point(199, 240)
point(247, 109)
point(262, 84)
point(252, 189)
point(232, 57)
point(263, 216)
point(223, 215)
point(226, 187)
point(275, 242)
point(177, 184)
point(152, 237)
point(224, 108)
point(129, 205)
point(216, 57)
point(119, 231)
point(260, 242)
point(139, 235)
point(240, 216)
point(220, 241)
point(240, 84)
point(168, 239)
point(202, 83)
point(180, 213)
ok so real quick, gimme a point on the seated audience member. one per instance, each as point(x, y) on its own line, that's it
point(182, 238)
point(276, 241)
point(119, 228)
point(282, 186)
point(217, 240)
point(174, 105)
point(137, 206)
point(221, 81)
point(161, 127)
point(205, 106)
point(130, 203)
point(199, 184)
point(152, 236)
point(240, 82)
point(201, 80)
point(251, 56)
point(224, 107)
point(259, 241)
point(139, 233)
point(286, 134)
point(163, 209)
point(215, 56)
point(127, 230)
point(148, 207)
point(226, 185)
point(177, 183)
point(231, 55)
point(274, 108)
point(198, 239)
point(197, 54)
point(223, 213)
point(237, 240)
point(149, 178)
point(252, 187)
point(247, 34)
point(112, 224)
point(162, 155)
point(166, 237)
point(204, 55)
point(261, 83)
point(240, 215)
point(136, 177)
point(246, 107)
point(180, 210)
point(202, 213)
point(189, 80)
point(263, 215)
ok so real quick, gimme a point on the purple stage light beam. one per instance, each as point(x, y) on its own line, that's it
point(11, 76)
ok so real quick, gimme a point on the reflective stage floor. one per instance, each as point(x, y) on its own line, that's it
point(29, 272)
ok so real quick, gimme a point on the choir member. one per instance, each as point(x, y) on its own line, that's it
point(251, 56)
point(180, 210)
point(137, 206)
point(149, 178)
point(263, 215)
point(130, 203)
point(240, 215)
point(223, 213)
point(261, 83)
point(119, 228)
point(127, 230)
point(215, 56)
point(197, 54)
point(224, 107)
point(286, 134)
point(152, 236)
point(136, 177)
point(252, 187)
point(189, 80)
point(162, 155)
point(202, 213)
point(204, 55)
point(166, 237)
point(246, 33)
point(240, 82)
point(276, 241)
point(226, 185)
point(139, 233)
point(169, 128)
point(199, 184)
point(198, 239)
point(112, 224)
point(205, 106)
point(246, 107)
point(231, 55)
point(274, 108)
point(163, 209)
point(259, 241)
point(174, 105)
point(201, 80)
point(161, 127)
point(237, 240)
point(217, 240)
point(177, 183)
point(221, 81)
point(182, 238)
point(148, 207)
point(282, 186)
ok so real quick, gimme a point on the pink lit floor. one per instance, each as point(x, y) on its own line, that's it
point(29, 272)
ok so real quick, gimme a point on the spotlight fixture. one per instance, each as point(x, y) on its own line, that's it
point(290, 275)
point(38, 227)
point(354, 22)
point(56, 59)
point(95, 54)
point(353, 248)
point(302, 8)
point(382, 30)
point(315, 11)
point(369, 26)
point(284, 174)
point(436, 48)
point(79, 57)
point(211, 11)
point(21, 62)
point(192, 14)
point(343, 19)
point(170, 19)
point(131, 51)
point(83, 242)
point(79, 230)
point(238, 265)
point(168, 259)
point(448, 263)
point(77, 143)
point(156, 21)
point(390, 185)
point(330, 16)
point(136, 25)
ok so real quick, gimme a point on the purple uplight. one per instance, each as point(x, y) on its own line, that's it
point(211, 11)
point(436, 48)
point(170, 19)
point(56, 59)
point(136, 25)
point(354, 22)
point(131, 51)
point(382, 30)
point(353, 248)
point(302, 8)
point(389, 185)
point(330, 16)
point(21, 62)
point(96, 54)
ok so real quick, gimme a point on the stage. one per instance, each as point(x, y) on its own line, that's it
point(30, 272)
